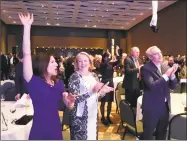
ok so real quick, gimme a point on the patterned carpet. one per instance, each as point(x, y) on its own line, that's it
point(105, 132)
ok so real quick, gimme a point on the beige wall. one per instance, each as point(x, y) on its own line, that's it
point(3, 38)
point(39, 41)
point(171, 37)
point(51, 41)
point(11, 42)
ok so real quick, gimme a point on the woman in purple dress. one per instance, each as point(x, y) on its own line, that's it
point(44, 89)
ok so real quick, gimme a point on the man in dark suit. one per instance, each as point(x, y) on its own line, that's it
point(158, 79)
point(131, 81)
point(19, 80)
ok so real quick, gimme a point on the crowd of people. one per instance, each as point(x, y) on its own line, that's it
point(83, 80)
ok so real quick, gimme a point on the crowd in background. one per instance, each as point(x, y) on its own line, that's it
point(66, 65)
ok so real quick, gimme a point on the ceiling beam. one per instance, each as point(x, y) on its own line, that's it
point(76, 11)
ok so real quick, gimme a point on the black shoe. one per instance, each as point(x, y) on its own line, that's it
point(109, 120)
point(105, 122)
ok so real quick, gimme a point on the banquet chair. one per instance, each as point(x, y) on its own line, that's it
point(9, 90)
point(128, 117)
point(177, 127)
point(119, 92)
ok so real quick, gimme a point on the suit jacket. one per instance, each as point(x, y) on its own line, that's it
point(156, 89)
point(130, 80)
point(19, 80)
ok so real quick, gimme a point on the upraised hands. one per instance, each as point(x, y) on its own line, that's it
point(26, 19)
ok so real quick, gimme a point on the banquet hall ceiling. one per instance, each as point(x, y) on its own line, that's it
point(84, 14)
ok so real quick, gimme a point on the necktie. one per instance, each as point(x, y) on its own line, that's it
point(137, 66)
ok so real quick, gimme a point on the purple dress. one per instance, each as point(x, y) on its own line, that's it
point(46, 121)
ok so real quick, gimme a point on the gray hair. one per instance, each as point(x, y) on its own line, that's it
point(150, 51)
point(133, 49)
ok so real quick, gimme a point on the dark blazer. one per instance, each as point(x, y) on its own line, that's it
point(156, 89)
point(130, 80)
point(19, 80)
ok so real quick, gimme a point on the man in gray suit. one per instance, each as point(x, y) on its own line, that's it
point(131, 81)
point(158, 79)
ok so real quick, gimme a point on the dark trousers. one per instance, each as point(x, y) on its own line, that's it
point(102, 109)
point(152, 121)
point(131, 96)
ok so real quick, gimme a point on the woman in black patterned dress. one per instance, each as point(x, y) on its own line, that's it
point(85, 85)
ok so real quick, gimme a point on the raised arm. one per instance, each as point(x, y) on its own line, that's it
point(26, 20)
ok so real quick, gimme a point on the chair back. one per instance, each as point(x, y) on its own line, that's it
point(120, 88)
point(177, 127)
point(127, 114)
point(118, 92)
point(9, 90)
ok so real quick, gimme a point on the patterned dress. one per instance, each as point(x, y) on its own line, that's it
point(84, 116)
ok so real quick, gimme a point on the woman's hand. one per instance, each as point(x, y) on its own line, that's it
point(106, 89)
point(97, 87)
point(26, 19)
point(69, 99)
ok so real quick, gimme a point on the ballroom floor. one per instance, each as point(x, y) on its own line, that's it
point(105, 132)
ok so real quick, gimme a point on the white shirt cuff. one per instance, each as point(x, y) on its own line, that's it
point(165, 77)
point(172, 77)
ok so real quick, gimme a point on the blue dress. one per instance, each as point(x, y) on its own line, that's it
point(45, 98)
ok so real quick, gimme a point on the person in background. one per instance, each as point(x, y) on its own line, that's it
point(131, 81)
point(107, 71)
point(85, 85)
point(170, 64)
point(45, 90)
point(158, 79)
point(19, 80)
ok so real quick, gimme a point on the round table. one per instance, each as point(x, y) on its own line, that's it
point(15, 132)
point(178, 102)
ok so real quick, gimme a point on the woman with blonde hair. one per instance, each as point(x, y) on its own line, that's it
point(85, 85)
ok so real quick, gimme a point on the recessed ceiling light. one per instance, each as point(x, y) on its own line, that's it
point(107, 10)
point(14, 21)
point(57, 18)
point(102, 16)
point(42, 5)
point(44, 12)
point(99, 2)
point(94, 9)
point(94, 26)
point(113, 3)
point(9, 17)
point(88, 20)
point(43, 47)
point(57, 13)
point(141, 13)
point(85, 26)
point(45, 17)
point(57, 24)
point(134, 19)
point(91, 15)
point(48, 24)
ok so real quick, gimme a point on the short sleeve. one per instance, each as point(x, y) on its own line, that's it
point(33, 84)
point(61, 86)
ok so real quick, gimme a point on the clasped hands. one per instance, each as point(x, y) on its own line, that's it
point(171, 71)
point(100, 88)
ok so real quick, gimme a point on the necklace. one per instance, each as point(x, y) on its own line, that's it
point(51, 83)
